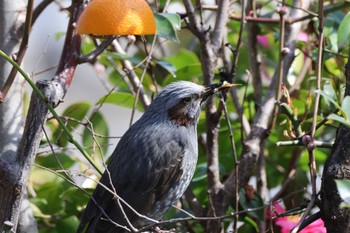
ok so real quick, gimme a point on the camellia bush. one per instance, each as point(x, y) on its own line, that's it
point(273, 152)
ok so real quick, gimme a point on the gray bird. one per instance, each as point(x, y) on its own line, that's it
point(153, 162)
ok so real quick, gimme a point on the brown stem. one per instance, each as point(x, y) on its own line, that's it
point(21, 52)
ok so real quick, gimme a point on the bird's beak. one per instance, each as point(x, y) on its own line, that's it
point(213, 88)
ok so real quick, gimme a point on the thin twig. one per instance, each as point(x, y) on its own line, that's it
point(97, 51)
point(139, 87)
point(135, 81)
point(310, 146)
point(234, 153)
point(282, 12)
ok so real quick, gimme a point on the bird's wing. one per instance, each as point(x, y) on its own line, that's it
point(146, 175)
point(142, 171)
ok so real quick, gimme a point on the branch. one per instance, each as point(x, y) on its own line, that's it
point(40, 8)
point(220, 25)
point(97, 51)
point(132, 76)
point(254, 62)
point(22, 50)
point(259, 131)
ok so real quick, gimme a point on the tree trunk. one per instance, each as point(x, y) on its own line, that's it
point(12, 16)
point(337, 166)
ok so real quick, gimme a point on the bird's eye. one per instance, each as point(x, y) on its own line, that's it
point(186, 100)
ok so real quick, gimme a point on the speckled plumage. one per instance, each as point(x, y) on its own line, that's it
point(153, 162)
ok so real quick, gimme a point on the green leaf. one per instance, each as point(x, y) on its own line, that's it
point(345, 113)
point(332, 66)
point(99, 127)
point(248, 226)
point(333, 40)
point(87, 46)
point(344, 189)
point(76, 111)
point(123, 99)
point(168, 67)
point(192, 72)
point(59, 35)
point(48, 198)
point(167, 25)
point(50, 161)
point(344, 32)
point(329, 98)
point(183, 58)
point(345, 105)
point(328, 26)
point(339, 119)
point(69, 224)
point(251, 202)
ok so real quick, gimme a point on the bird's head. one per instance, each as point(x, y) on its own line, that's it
point(181, 101)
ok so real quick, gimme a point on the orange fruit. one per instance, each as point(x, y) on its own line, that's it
point(117, 17)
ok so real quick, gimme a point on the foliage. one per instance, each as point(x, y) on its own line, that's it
point(58, 203)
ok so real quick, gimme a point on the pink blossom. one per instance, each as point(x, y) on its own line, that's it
point(263, 40)
point(302, 36)
point(287, 223)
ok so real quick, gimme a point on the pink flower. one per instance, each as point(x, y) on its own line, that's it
point(287, 223)
point(263, 40)
point(302, 36)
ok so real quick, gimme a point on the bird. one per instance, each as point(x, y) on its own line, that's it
point(152, 164)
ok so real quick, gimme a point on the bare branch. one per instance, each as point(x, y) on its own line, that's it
point(220, 25)
point(132, 76)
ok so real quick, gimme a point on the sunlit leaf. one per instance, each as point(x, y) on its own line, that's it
point(183, 58)
point(167, 25)
point(332, 66)
point(339, 119)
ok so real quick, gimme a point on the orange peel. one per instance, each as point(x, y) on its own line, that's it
point(117, 17)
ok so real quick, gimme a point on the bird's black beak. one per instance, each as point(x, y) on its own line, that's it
point(213, 88)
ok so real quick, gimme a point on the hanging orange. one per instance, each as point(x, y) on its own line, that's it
point(117, 17)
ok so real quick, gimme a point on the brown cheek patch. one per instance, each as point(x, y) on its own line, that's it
point(178, 115)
